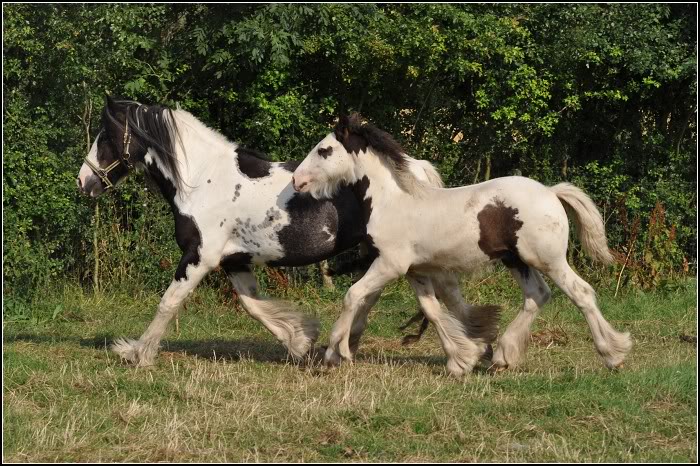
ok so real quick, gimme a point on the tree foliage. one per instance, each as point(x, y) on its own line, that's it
point(601, 95)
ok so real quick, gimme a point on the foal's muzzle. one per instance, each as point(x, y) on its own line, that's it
point(298, 186)
point(300, 181)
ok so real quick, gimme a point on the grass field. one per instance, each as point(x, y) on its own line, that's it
point(224, 390)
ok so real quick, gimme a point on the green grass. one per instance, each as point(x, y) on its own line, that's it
point(224, 390)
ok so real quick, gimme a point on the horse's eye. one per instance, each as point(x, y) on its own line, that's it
point(325, 152)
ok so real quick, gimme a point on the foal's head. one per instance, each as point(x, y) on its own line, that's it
point(128, 131)
point(332, 163)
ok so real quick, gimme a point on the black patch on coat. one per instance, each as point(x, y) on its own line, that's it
point(237, 262)
point(187, 234)
point(513, 261)
point(372, 251)
point(497, 235)
point(290, 165)
point(304, 241)
point(325, 152)
point(252, 163)
point(360, 190)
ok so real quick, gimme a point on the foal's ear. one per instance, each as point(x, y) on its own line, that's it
point(341, 129)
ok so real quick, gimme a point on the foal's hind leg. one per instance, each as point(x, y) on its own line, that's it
point(296, 331)
point(462, 353)
point(513, 344)
point(612, 345)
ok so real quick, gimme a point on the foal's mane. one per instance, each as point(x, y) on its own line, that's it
point(356, 134)
point(154, 126)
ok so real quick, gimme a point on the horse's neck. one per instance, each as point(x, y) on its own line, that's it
point(200, 152)
point(205, 150)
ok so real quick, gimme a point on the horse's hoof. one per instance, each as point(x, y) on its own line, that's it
point(488, 353)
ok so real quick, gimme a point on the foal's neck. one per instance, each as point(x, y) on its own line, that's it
point(383, 180)
point(375, 182)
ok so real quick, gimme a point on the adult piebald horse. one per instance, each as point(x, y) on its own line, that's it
point(415, 229)
point(234, 209)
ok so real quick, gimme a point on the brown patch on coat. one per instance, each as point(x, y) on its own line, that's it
point(498, 226)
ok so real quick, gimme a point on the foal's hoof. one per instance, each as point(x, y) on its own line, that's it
point(332, 359)
point(617, 367)
point(497, 368)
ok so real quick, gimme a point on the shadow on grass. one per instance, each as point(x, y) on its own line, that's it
point(216, 349)
point(259, 350)
point(230, 350)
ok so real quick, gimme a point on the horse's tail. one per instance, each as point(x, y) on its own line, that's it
point(588, 221)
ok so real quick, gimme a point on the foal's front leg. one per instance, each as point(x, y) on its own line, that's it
point(361, 295)
point(142, 352)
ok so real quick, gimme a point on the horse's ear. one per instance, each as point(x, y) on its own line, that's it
point(109, 102)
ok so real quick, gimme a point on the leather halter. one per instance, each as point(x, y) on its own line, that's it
point(103, 173)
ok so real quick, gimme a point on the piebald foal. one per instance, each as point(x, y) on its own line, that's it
point(414, 230)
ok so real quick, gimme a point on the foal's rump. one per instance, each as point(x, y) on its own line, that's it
point(514, 219)
point(519, 219)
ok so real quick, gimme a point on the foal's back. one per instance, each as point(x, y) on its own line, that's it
point(464, 228)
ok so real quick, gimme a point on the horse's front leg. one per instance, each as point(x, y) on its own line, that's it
point(359, 297)
point(480, 322)
point(143, 351)
point(462, 353)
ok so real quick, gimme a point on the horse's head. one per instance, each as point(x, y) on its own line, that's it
point(127, 133)
point(331, 163)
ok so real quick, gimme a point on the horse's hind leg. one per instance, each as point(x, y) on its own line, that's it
point(513, 344)
point(462, 353)
point(612, 345)
point(296, 331)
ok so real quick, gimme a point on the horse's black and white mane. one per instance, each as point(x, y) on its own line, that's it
point(154, 126)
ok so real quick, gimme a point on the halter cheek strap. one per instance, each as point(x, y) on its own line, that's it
point(125, 160)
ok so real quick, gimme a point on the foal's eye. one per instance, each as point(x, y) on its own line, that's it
point(325, 152)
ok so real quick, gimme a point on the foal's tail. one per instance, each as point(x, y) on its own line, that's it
point(589, 223)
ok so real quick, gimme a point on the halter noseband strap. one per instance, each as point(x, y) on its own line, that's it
point(124, 159)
